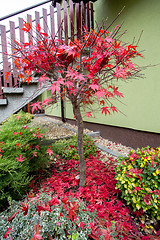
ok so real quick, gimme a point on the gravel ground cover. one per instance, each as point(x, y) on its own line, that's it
point(55, 129)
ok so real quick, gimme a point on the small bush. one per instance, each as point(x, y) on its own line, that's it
point(24, 118)
point(20, 157)
point(138, 177)
point(68, 148)
point(47, 217)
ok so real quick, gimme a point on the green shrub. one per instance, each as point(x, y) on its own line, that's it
point(138, 177)
point(68, 148)
point(48, 217)
point(23, 118)
point(20, 157)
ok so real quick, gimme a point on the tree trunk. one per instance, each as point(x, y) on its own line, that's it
point(82, 165)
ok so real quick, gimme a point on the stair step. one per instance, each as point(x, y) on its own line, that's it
point(19, 97)
point(10, 90)
point(3, 102)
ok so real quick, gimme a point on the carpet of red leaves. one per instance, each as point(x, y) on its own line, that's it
point(99, 194)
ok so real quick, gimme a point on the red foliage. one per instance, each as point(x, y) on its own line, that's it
point(24, 207)
point(99, 194)
point(96, 54)
point(6, 234)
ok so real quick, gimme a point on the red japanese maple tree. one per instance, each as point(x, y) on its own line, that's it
point(85, 71)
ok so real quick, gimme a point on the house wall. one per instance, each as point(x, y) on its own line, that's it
point(141, 103)
point(142, 96)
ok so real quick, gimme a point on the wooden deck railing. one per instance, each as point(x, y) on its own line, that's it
point(68, 19)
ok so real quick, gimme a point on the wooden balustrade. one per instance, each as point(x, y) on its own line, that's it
point(68, 21)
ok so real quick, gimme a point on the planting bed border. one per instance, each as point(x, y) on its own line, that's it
point(94, 134)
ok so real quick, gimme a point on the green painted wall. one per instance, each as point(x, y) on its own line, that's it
point(141, 104)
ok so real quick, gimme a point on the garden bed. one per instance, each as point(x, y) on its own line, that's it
point(56, 129)
point(56, 188)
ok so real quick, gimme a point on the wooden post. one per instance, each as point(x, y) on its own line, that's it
point(52, 21)
point(60, 38)
point(28, 107)
point(45, 22)
point(71, 19)
point(65, 21)
point(7, 81)
point(13, 38)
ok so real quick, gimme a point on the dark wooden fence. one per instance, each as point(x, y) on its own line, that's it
point(67, 21)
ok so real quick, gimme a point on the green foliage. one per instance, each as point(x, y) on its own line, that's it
point(48, 217)
point(20, 156)
point(138, 177)
point(23, 117)
point(68, 148)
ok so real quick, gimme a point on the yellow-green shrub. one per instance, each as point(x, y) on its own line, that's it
point(138, 177)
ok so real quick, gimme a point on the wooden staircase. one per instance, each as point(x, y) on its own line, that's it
point(14, 94)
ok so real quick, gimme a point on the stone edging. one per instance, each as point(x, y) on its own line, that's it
point(109, 151)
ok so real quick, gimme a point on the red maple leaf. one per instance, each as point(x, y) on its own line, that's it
point(46, 101)
point(116, 92)
point(28, 80)
point(38, 27)
point(120, 72)
point(21, 76)
point(68, 84)
point(89, 114)
point(130, 65)
point(70, 73)
point(100, 94)
point(36, 106)
point(116, 45)
point(54, 88)
point(8, 74)
point(43, 79)
point(113, 108)
point(80, 77)
point(27, 26)
point(94, 86)
point(105, 110)
point(72, 91)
